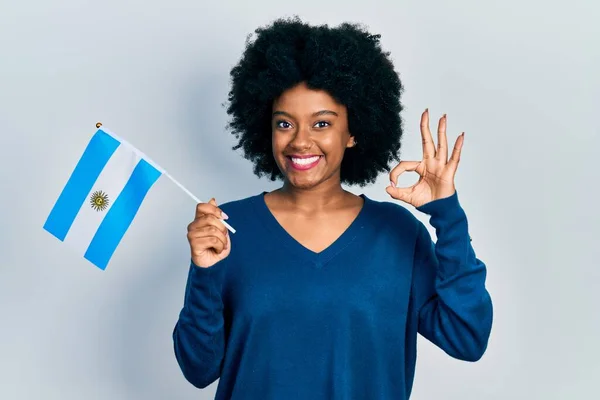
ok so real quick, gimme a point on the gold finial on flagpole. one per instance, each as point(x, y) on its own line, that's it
point(98, 124)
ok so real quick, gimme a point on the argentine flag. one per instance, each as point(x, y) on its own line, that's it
point(101, 197)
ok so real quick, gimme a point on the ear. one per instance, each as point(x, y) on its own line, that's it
point(351, 142)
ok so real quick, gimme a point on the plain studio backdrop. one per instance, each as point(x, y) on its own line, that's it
point(520, 78)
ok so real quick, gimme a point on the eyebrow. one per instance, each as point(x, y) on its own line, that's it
point(316, 114)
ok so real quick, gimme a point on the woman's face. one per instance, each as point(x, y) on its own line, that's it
point(310, 134)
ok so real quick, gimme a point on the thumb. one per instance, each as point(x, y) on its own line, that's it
point(399, 193)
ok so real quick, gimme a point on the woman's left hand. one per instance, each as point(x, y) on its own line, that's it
point(436, 172)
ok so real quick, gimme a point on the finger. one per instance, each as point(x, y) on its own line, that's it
point(208, 237)
point(208, 230)
point(442, 148)
point(202, 244)
point(205, 221)
point(400, 193)
point(402, 167)
point(455, 157)
point(428, 147)
point(207, 233)
point(210, 208)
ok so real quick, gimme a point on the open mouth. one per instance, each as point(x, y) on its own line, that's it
point(303, 163)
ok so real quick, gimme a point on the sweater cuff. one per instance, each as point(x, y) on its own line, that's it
point(445, 208)
point(203, 300)
point(206, 278)
point(445, 212)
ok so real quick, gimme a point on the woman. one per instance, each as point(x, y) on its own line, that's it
point(320, 293)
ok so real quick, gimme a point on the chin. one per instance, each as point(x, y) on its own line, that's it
point(302, 183)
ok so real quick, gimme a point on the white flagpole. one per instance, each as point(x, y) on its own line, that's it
point(194, 197)
point(179, 185)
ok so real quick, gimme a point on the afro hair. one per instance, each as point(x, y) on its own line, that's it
point(347, 62)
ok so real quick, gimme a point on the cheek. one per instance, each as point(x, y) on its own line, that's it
point(276, 142)
point(333, 146)
point(278, 145)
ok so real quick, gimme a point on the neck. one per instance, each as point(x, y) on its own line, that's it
point(313, 199)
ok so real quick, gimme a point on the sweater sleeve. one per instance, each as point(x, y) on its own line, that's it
point(198, 336)
point(454, 307)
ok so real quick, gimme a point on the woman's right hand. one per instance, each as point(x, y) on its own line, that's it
point(208, 236)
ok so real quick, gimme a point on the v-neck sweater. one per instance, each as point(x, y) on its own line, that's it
point(275, 320)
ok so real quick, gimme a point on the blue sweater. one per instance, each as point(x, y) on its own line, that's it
point(275, 320)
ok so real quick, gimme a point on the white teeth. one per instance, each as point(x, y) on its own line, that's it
point(305, 161)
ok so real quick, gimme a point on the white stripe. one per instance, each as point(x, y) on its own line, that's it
point(158, 167)
point(111, 181)
point(134, 149)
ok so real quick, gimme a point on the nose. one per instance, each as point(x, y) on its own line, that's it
point(301, 140)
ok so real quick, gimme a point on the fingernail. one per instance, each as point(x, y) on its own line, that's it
point(444, 116)
point(392, 184)
point(224, 216)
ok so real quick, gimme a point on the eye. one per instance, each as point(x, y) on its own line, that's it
point(283, 124)
point(322, 124)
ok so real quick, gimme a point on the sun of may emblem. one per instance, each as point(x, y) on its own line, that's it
point(99, 200)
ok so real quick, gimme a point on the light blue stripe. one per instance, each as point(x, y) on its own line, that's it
point(97, 153)
point(121, 214)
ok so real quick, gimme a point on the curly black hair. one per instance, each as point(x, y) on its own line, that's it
point(347, 62)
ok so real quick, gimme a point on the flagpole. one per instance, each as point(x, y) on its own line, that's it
point(194, 197)
point(179, 185)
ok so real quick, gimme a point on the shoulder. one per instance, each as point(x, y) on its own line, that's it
point(242, 209)
point(241, 205)
point(391, 214)
point(394, 209)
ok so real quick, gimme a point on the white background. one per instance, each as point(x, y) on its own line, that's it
point(520, 78)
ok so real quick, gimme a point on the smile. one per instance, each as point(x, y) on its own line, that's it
point(304, 163)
